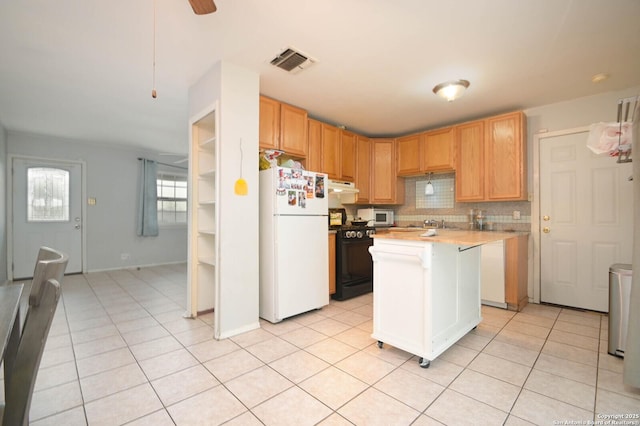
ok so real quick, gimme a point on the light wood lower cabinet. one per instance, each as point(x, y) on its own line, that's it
point(517, 272)
point(332, 263)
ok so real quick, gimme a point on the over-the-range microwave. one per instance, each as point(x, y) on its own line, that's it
point(376, 217)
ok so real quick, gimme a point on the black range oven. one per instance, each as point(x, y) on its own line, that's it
point(354, 266)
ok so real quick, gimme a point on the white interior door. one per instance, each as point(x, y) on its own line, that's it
point(586, 221)
point(47, 211)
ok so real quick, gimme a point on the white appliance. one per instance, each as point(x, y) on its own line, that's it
point(294, 254)
point(492, 271)
point(376, 217)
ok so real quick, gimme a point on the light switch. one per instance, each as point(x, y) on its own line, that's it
point(516, 214)
point(91, 201)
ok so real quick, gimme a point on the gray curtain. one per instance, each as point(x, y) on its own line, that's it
point(632, 350)
point(148, 200)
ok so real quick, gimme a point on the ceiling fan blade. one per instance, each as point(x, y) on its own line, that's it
point(203, 7)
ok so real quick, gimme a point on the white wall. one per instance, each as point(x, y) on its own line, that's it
point(237, 91)
point(572, 114)
point(3, 205)
point(112, 178)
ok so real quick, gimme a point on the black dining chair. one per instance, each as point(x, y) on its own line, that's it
point(22, 362)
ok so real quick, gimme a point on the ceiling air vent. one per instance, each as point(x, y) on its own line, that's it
point(292, 61)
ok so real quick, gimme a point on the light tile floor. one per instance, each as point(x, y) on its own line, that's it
point(119, 352)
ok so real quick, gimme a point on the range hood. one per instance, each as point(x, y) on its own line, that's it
point(341, 187)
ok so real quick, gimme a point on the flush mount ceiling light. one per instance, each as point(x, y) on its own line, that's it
point(600, 77)
point(451, 90)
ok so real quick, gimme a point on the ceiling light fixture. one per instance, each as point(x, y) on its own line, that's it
point(451, 90)
point(597, 78)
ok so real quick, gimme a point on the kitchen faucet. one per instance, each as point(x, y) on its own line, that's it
point(432, 223)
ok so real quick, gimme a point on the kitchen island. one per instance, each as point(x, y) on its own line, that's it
point(426, 290)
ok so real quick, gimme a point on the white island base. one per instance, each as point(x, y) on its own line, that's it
point(426, 295)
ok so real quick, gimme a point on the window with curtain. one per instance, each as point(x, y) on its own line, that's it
point(172, 199)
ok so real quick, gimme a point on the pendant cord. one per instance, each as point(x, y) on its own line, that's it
point(153, 90)
point(241, 157)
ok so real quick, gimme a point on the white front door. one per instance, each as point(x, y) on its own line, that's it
point(47, 211)
point(586, 221)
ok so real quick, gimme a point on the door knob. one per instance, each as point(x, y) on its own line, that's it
point(546, 230)
point(77, 226)
point(545, 217)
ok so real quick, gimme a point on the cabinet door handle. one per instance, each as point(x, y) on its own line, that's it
point(545, 218)
point(546, 230)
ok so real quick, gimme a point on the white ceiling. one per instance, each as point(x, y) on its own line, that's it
point(83, 69)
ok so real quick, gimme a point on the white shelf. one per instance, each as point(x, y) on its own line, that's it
point(208, 144)
point(203, 240)
point(211, 261)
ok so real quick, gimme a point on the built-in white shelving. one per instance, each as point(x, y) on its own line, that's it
point(204, 211)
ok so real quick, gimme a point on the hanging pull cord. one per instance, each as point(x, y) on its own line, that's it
point(153, 89)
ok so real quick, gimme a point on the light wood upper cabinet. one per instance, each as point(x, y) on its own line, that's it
point(331, 151)
point(363, 169)
point(408, 155)
point(470, 161)
point(386, 187)
point(505, 160)
point(490, 159)
point(283, 127)
point(293, 130)
point(314, 157)
point(438, 152)
point(431, 151)
point(348, 146)
point(269, 123)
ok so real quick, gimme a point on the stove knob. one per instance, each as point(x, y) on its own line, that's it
point(359, 234)
point(350, 234)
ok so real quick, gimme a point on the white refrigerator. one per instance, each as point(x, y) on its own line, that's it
point(294, 254)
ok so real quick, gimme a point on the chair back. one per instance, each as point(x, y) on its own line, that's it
point(50, 264)
point(19, 382)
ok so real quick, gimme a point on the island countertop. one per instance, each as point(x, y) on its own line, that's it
point(449, 236)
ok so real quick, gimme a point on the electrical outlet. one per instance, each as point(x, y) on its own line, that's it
point(124, 256)
point(516, 214)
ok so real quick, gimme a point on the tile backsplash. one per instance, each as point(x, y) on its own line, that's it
point(419, 207)
point(440, 206)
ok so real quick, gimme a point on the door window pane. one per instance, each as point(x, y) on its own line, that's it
point(48, 194)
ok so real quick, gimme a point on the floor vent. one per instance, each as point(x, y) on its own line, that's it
point(292, 61)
